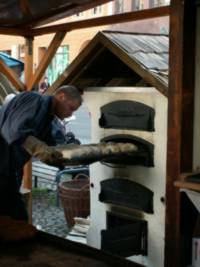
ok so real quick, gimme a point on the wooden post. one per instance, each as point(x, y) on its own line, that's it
point(41, 53)
point(28, 74)
point(27, 177)
point(180, 121)
point(28, 64)
point(27, 186)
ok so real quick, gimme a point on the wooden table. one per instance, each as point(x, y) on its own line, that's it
point(46, 250)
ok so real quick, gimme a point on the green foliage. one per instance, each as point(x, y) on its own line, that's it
point(44, 195)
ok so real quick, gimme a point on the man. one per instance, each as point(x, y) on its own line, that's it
point(44, 85)
point(25, 131)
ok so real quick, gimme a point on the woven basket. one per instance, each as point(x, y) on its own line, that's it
point(75, 198)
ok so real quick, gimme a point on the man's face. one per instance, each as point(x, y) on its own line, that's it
point(65, 106)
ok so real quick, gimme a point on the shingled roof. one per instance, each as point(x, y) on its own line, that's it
point(151, 51)
point(128, 57)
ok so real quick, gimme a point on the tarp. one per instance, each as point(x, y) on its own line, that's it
point(11, 62)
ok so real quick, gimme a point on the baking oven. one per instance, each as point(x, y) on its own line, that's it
point(127, 194)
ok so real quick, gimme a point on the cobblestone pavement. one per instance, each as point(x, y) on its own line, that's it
point(46, 215)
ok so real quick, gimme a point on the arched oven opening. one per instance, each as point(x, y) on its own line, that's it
point(144, 155)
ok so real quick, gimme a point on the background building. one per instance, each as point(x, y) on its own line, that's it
point(76, 40)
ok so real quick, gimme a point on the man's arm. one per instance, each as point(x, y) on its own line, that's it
point(76, 154)
point(43, 152)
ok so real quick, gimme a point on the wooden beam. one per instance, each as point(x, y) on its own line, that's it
point(172, 225)
point(180, 109)
point(11, 75)
point(58, 38)
point(186, 175)
point(28, 66)
point(189, 40)
point(27, 170)
point(106, 20)
point(25, 8)
point(13, 31)
point(66, 11)
point(187, 185)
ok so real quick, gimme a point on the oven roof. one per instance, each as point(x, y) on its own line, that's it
point(22, 14)
point(120, 59)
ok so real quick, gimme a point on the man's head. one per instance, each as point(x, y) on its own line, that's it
point(66, 100)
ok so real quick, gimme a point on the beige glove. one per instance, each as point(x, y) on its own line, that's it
point(14, 230)
point(42, 151)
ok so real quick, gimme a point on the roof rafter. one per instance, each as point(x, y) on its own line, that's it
point(105, 20)
point(64, 12)
point(11, 75)
point(25, 8)
point(55, 43)
point(13, 31)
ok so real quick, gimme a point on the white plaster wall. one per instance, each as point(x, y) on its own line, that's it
point(196, 148)
point(153, 178)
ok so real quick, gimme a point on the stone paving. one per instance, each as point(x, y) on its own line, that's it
point(47, 216)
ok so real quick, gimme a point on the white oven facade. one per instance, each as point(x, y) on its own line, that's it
point(154, 178)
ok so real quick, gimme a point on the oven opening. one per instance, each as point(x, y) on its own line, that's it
point(124, 236)
point(144, 156)
point(125, 114)
point(126, 193)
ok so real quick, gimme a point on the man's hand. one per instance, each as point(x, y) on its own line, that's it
point(14, 230)
point(43, 152)
point(51, 156)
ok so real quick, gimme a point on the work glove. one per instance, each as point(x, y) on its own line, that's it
point(47, 154)
point(15, 230)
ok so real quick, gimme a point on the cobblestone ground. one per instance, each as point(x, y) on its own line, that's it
point(47, 216)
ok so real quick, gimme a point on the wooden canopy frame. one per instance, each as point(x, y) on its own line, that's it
point(180, 95)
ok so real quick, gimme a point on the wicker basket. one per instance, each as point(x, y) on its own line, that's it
point(75, 198)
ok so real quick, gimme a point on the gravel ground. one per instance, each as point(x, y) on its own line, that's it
point(46, 215)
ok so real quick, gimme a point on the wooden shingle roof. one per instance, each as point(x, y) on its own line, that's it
point(119, 55)
point(151, 51)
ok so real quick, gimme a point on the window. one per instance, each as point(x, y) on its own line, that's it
point(137, 4)
point(119, 6)
point(151, 3)
point(97, 10)
point(160, 3)
point(58, 64)
point(80, 14)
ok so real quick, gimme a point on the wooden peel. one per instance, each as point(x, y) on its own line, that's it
point(87, 154)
